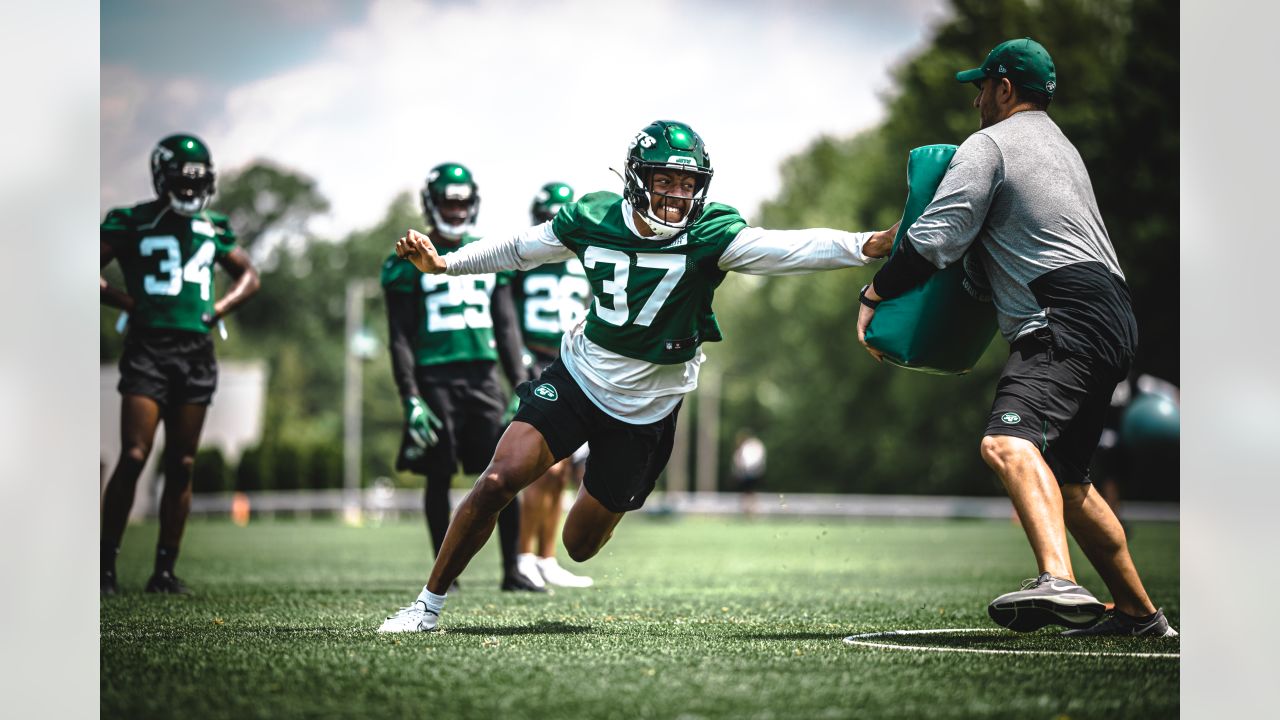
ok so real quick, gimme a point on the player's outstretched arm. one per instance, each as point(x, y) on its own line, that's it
point(244, 283)
point(417, 249)
point(527, 249)
point(110, 296)
point(757, 251)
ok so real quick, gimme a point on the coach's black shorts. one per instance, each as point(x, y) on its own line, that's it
point(1055, 399)
point(469, 401)
point(625, 459)
point(172, 367)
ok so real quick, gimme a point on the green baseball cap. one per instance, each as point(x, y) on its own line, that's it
point(1024, 61)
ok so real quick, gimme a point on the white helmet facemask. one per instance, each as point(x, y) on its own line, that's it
point(457, 191)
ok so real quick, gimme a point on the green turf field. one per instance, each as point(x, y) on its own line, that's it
point(690, 617)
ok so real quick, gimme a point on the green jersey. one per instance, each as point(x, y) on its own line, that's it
point(652, 297)
point(456, 325)
point(167, 259)
point(551, 299)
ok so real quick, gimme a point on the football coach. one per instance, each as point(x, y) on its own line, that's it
point(1017, 201)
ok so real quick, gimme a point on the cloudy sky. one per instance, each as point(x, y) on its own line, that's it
point(367, 96)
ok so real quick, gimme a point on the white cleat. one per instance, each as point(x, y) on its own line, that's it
point(527, 567)
point(415, 618)
point(556, 575)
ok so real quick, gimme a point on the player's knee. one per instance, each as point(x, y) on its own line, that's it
point(496, 485)
point(582, 545)
point(999, 451)
point(179, 468)
point(136, 453)
point(580, 550)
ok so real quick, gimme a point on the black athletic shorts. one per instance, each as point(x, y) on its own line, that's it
point(469, 401)
point(1055, 399)
point(625, 459)
point(172, 367)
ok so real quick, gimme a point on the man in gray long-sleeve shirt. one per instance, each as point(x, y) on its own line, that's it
point(1017, 208)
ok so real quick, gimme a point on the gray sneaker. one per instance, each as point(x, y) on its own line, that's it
point(1117, 623)
point(1046, 600)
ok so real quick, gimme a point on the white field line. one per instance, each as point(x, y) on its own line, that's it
point(863, 640)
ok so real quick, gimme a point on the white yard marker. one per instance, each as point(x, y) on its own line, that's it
point(867, 640)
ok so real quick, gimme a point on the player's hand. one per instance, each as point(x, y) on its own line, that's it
point(421, 422)
point(864, 321)
point(880, 243)
point(417, 249)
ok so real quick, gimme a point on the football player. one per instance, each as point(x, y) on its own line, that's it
point(167, 248)
point(654, 257)
point(447, 335)
point(550, 299)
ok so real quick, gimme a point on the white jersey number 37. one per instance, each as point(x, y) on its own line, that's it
point(617, 311)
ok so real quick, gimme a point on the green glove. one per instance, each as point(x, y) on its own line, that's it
point(421, 422)
point(512, 407)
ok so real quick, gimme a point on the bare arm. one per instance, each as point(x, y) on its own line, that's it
point(244, 282)
point(110, 296)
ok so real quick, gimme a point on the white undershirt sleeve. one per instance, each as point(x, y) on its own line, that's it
point(527, 249)
point(757, 251)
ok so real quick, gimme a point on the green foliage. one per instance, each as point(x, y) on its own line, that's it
point(211, 473)
point(254, 471)
point(835, 420)
point(264, 200)
point(697, 617)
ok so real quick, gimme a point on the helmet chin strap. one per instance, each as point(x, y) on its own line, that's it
point(661, 229)
point(187, 207)
point(664, 230)
point(452, 232)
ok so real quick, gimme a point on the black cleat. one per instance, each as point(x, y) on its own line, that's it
point(515, 582)
point(167, 582)
point(1118, 623)
point(109, 584)
point(1046, 600)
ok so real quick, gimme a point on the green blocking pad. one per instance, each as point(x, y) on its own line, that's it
point(937, 327)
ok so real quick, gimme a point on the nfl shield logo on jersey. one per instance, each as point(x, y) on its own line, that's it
point(546, 391)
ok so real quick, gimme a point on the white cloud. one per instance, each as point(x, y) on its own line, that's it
point(530, 92)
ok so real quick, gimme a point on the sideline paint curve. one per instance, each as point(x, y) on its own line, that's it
point(865, 640)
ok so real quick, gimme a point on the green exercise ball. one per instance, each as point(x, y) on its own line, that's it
point(1151, 419)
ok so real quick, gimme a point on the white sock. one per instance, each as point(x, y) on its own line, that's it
point(434, 602)
point(526, 558)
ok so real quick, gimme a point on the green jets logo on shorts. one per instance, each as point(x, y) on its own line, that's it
point(546, 392)
point(1011, 418)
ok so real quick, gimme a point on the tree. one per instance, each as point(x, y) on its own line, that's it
point(265, 201)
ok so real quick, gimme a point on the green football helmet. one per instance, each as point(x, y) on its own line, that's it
point(670, 145)
point(182, 172)
point(549, 200)
point(450, 181)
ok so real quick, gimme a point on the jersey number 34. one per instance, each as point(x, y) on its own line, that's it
point(172, 273)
